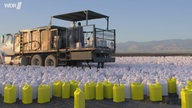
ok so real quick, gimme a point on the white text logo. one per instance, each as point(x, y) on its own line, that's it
point(13, 5)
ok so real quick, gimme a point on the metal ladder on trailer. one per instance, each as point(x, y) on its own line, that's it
point(66, 56)
point(21, 45)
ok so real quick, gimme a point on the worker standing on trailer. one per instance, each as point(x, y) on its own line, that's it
point(80, 34)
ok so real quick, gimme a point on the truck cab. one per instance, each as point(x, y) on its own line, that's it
point(6, 47)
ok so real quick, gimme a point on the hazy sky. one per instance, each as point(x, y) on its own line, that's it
point(134, 20)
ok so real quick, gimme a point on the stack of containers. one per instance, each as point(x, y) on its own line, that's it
point(89, 89)
point(137, 91)
point(145, 67)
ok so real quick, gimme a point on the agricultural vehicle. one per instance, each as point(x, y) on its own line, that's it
point(57, 46)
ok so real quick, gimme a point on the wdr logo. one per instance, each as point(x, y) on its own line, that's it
point(13, 5)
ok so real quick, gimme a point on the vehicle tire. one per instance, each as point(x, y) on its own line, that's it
point(50, 61)
point(37, 60)
point(24, 61)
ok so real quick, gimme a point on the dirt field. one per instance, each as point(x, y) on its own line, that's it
point(168, 102)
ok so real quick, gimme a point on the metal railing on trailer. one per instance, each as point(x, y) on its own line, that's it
point(98, 38)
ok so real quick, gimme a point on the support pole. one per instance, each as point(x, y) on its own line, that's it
point(86, 13)
point(50, 23)
point(107, 23)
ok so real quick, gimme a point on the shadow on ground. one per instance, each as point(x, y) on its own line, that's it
point(168, 102)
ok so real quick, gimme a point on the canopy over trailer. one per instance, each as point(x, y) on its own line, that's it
point(81, 16)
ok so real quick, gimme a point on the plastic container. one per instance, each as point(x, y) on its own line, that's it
point(147, 88)
point(89, 89)
point(17, 89)
point(43, 94)
point(137, 91)
point(186, 97)
point(108, 90)
point(3, 87)
point(57, 88)
point(81, 86)
point(20, 91)
point(164, 87)
point(73, 86)
point(34, 85)
point(172, 85)
point(118, 93)
point(155, 92)
point(99, 91)
point(66, 90)
point(188, 87)
point(127, 91)
point(27, 94)
point(79, 99)
point(10, 94)
point(180, 85)
point(189, 82)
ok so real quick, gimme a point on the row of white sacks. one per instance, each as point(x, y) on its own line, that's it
point(125, 70)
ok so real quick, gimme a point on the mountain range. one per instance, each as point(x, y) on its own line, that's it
point(162, 46)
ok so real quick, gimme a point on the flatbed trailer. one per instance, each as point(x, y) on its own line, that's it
point(54, 45)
